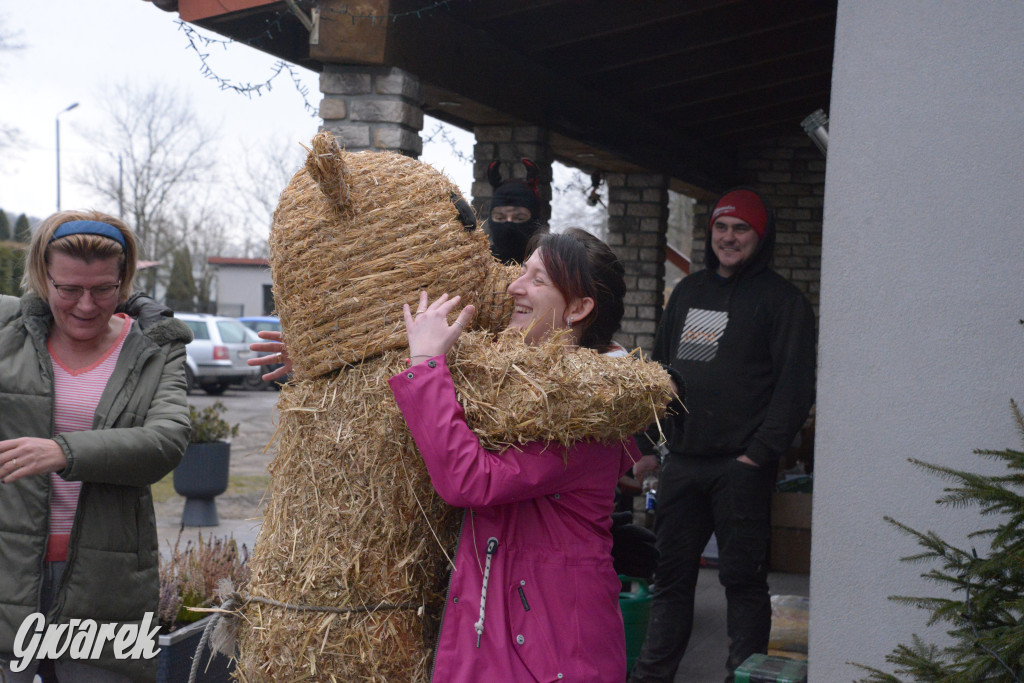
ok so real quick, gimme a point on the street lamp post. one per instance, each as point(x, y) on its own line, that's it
point(66, 109)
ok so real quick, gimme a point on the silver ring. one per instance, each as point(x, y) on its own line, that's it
point(460, 324)
point(14, 461)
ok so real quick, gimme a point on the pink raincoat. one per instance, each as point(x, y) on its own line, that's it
point(549, 610)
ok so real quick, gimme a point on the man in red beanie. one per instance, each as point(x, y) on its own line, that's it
point(739, 341)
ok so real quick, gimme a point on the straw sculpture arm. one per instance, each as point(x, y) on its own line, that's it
point(462, 471)
point(515, 393)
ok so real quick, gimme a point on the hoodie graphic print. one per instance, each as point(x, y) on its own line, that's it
point(701, 332)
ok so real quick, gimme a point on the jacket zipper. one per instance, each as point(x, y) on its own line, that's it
point(49, 503)
point(56, 606)
point(492, 548)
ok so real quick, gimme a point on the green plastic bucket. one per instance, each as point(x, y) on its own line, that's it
point(636, 610)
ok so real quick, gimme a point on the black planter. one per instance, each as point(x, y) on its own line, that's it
point(177, 650)
point(201, 476)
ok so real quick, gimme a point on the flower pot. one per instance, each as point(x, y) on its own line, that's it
point(636, 612)
point(177, 649)
point(201, 476)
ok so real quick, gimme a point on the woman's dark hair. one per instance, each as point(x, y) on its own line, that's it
point(580, 265)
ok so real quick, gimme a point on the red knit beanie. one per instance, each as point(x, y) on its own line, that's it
point(745, 205)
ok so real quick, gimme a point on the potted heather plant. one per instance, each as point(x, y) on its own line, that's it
point(202, 474)
point(189, 578)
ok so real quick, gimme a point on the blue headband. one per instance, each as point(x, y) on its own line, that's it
point(89, 228)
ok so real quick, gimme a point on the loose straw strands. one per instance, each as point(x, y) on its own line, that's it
point(514, 393)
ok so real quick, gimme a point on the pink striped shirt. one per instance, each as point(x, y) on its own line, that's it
point(77, 394)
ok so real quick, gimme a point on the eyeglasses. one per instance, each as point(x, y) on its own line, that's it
point(75, 292)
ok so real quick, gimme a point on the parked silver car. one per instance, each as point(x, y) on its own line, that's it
point(218, 354)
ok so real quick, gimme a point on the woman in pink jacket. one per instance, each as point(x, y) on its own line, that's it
point(533, 596)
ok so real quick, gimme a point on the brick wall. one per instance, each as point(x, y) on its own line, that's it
point(372, 108)
point(791, 175)
point(637, 217)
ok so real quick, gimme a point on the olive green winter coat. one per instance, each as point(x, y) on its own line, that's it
point(140, 431)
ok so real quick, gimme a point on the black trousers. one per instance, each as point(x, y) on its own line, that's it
point(698, 496)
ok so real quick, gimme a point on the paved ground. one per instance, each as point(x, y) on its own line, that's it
point(239, 511)
point(239, 507)
point(705, 657)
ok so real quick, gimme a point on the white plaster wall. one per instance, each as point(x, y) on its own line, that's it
point(241, 285)
point(922, 272)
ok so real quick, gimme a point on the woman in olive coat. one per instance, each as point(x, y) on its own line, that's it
point(92, 411)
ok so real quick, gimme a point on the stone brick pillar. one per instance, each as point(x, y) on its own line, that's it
point(509, 144)
point(637, 225)
point(371, 107)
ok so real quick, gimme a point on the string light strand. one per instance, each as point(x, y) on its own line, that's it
point(441, 134)
point(248, 89)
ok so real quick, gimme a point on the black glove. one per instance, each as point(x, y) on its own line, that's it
point(633, 551)
point(145, 309)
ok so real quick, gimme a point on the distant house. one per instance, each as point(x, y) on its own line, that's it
point(243, 286)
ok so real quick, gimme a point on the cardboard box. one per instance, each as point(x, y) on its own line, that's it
point(791, 533)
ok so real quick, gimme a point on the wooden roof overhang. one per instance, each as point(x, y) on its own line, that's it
point(666, 86)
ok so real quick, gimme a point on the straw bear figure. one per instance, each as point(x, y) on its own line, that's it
point(351, 521)
point(350, 567)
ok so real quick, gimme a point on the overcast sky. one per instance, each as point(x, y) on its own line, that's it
point(73, 49)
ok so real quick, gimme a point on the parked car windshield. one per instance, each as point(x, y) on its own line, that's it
point(198, 327)
point(231, 331)
point(263, 325)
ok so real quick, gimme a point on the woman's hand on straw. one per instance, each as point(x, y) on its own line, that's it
point(428, 329)
point(278, 354)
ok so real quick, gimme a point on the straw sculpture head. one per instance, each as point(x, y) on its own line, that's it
point(355, 236)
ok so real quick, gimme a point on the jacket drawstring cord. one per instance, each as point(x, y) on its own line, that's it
point(492, 547)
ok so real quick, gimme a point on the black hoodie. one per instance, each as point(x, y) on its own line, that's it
point(747, 359)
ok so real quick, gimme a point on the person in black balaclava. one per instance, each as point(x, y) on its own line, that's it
point(514, 215)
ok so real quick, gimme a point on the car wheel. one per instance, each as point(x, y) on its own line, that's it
point(254, 383)
point(215, 389)
point(190, 381)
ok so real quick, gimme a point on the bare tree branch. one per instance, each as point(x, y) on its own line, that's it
point(158, 156)
point(268, 168)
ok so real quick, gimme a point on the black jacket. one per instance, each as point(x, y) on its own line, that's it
point(745, 348)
